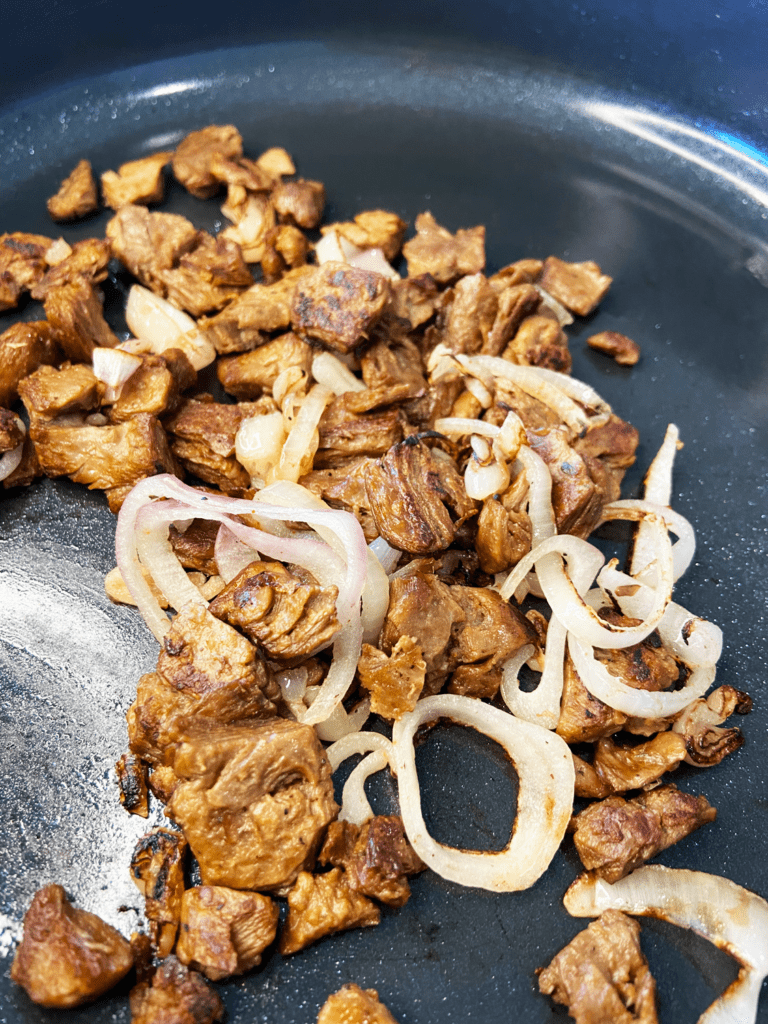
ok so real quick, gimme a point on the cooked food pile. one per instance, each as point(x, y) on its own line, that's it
point(391, 479)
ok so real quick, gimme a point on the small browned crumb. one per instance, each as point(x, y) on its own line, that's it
point(132, 779)
point(77, 195)
point(67, 957)
point(396, 681)
point(625, 351)
point(354, 1005)
point(138, 181)
point(175, 995)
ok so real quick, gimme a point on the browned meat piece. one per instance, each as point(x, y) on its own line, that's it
point(194, 154)
point(392, 372)
point(344, 433)
point(27, 470)
point(104, 458)
point(264, 307)
point(284, 246)
point(395, 680)
point(23, 348)
point(354, 1005)
point(515, 303)
point(601, 976)
point(224, 932)
point(138, 181)
point(624, 767)
point(175, 995)
point(253, 219)
point(251, 374)
point(277, 162)
point(240, 171)
point(76, 315)
point(155, 387)
point(578, 286)
point(11, 434)
point(206, 669)
point(576, 500)
point(468, 316)
point(88, 260)
point(540, 341)
point(414, 300)
point(615, 836)
point(132, 779)
point(343, 486)
point(321, 905)
point(646, 666)
point(445, 256)
point(376, 856)
point(372, 229)
point(48, 393)
point(67, 957)
point(504, 528)
point(287, 614)
point(203, 439)
point(22, 265)
point(621, 348)
point(190, 268)
point(77, 195)
point(195, 547)
point(157, 868)
point(437, 402)
point(254, 800)
point(608, 451)
point(162, 782)
point(588, 785)
point(706, 744)
point(521, 272)
point(417, 498)
point(338, 304)
point(584, 718)
point(299, 202)
point(536, 417)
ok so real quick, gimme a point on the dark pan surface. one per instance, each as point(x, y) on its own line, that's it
point(550, 165)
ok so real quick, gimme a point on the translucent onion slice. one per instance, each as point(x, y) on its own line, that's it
point(113, 367)
point(301, 444)
point(359, 743)
point(544, 803)
point(457, 426)
point(355, 806)
point(564, 318)
point(341, 674)
point(387, 555)
point(732, 918)
point(10, 461)
point(162, 325)
point(657, 488)
point(329, 370)
point(258, 443)
point(682, 551)
point(155, 552)
point(232, 555)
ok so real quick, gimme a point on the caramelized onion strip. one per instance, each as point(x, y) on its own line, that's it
point(355, 806)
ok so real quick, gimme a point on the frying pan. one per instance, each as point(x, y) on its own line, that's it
point(557, 148)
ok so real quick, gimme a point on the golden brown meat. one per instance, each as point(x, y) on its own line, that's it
point(202, 436)
point(48, 393)
point(392, 372)
point(515, 303)
point(254, 800)
point(699, 724)
point(343, 486)
point(525, 271)
point(395, 681)
point(578, 286)
point(321, 905)
point(414, 300)
point(445, 256)
point(22, 265)
point(223, 931)
point(24, 347)
point(175, 995)
point(601, 976)
point(540, 341)
point(11, 434)
point(132, 778)
point(345, 434)
point(354, 1005)
point(632, 767)
point(467, 317)
point(299, 202)
point(338, 304)
point(67, 957)
point(157, 868)
point(77, 195)
point(194, 154)
point(155, 387)
point(372, 229)
point(195, 548)
point(376, 856)
point(249, 375)
point(74, 311)
point(625, 351)
point(417, 498)
point(285, 614)
point(504, 528)
point(245, 322)
point(138, 181)
point(241, 171)
point(88, 260)
point(576, 500)
point(615, 836)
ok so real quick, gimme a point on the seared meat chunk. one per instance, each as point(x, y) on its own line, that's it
point(524, 271)
point(205, 669)
point(262, 308)
point(338, 304)
point(608, 450)
point(576, 500)
point(284, 246)
point(132, 779)
point(376, 856)
point(646, 666)
point(354, 1005)
point(138, 181)
point(162, 782)
point(22, 265)
point(414, 300)
point(504, 528)
point(540, 341)
point(602, 976)
point(202, 437)
point(157, 868)
point(87, 261)
point(77, 195)
point(155, 387)
point(578, 286)
point(48, 393)
point(254, 800)
point(467, 318)
point(706, 744)
point(195, 547)
point(515, 304)
point(633, 767)
point(372, 229)
point(11, 434)
point(417, 498)
point(23, 348)
point(396, 680)
point(321, 905)
point(445, 256)
point(241, 171)
point(194, 154)
point(67, 957)
point(625, 351)
point(249, 375)
point(588, 784)
point(27, 470)
point(344, 433)
point(175, 995)
point(392, 372)
point(277, 162)
point(287, 614)
point(253, 219)
point(223, 931)
point(343, 486)
point(584, 718)
point(190, 268)
point(299, 202)
point(75, 313)
point(615, 836)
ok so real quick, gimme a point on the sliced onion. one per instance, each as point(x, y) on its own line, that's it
point(231, 554)
point(540, 510)
point(359, 743)
point(682, 551)
point(113, 367)
point(258, 443)
point(733, 918)
point(340, 722)
point(577, 390)
point(341, 674)
point(374, 261)
point(301, 444)
point(163, 326)
point(375, 599)
point(328, 249)
point(658, 488)
point(564, 318)
point(10, 461)
point(57, 252)
point(155, 552)
point(544, 766)
point(327, 369)
point(457, 426)
point(481, 481)
point(355, 806)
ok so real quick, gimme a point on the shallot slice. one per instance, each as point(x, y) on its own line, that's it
point(162, 325)
point(544, 766)
point(733, 918)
